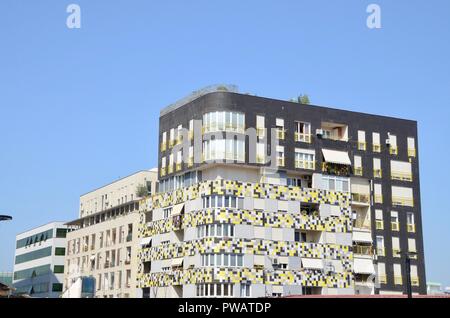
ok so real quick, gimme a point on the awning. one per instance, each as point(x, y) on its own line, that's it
point(146, 241)
point(177, 209)
point(177, 262)
point(364, 237)
point(338, 157)
point(312, 263)
point(363, 266)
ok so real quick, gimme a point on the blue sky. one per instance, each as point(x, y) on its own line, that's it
point(79, 108)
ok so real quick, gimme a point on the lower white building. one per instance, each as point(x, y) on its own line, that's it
point(39, 261)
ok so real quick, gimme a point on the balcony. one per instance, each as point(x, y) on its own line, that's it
point(362, 145)
point(402, 176)
point(411, 152)
point(163, 146)
point(376, 148)
point(379, 225)
point(305, 164)
point(377, 173)
point(163, 171)
point(361, 198)
point(398, 280)
point(170, 169)
point(334, 131)
point(299, 137)
point(393, 150)
point(395, 226)
point(358, 171)
point(401, 201)
point(361, 224)
point(280, 133)
point(411, 228)
point(178, 166)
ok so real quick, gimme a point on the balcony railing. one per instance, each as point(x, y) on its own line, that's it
point(379, 224)
point(363, 250)
point(163, 171)
point(305, 164)
point(361, 224)
point(280, 133)
point(358, 171)
point(398, 280)
point(415, 281)
point(376, 148)
point(393, 150)
point(377, 173)
point(179, 139)
point(362, 145)
point(411, 152)
point(178, 166)
point(402, 201)
point(395, 226)
point(190, 161)
point(170, 169)
point(171, 143)
point(163, 146)
point(402, 176)
point(302, 137)
point(411, 228)
point(359, 197)
point(215, 128)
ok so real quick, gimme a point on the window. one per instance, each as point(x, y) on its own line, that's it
point(215, 230)
point(376, 146)
point(245, 290)
point(34, 255)
point(300, 236)
point(335, 183)
point(402, 196)
point(412, 245)
point(280, 156)
point(164, 141)
point(411, 147)
point(361, 140)
point(260, 126)
point(394, 221)
point(378, 194)
point(380, 246)
point(401, 170)
point(224, 149)
point(379, 219)
point(358, 166)
point(58, 287)
point(61, 233)
point(393, 150)
point(60, 251)
point(377, 173)
point(219, 201)
point(381, 273)
point(226, 260)
point(215, 290)
point(398, 274)
point(58, 269)
point(302, 132)
point(304, 159)
point(280, 128)
point(395, 247)
point(224, 121)
point(260, 152)
point(410, 222)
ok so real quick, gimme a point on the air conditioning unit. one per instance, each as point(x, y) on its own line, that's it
point(388, 142)
point(319, 132)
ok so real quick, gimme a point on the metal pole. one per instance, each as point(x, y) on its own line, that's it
point(408, 276)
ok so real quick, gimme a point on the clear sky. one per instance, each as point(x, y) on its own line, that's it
point(79, 108)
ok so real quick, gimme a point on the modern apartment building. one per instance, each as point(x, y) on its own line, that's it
point(261, 197)
point(39, 261)
point(104, 244)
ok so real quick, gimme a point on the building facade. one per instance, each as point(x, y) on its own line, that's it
point(39, 261)
point(104, 242)
point(262, 197)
